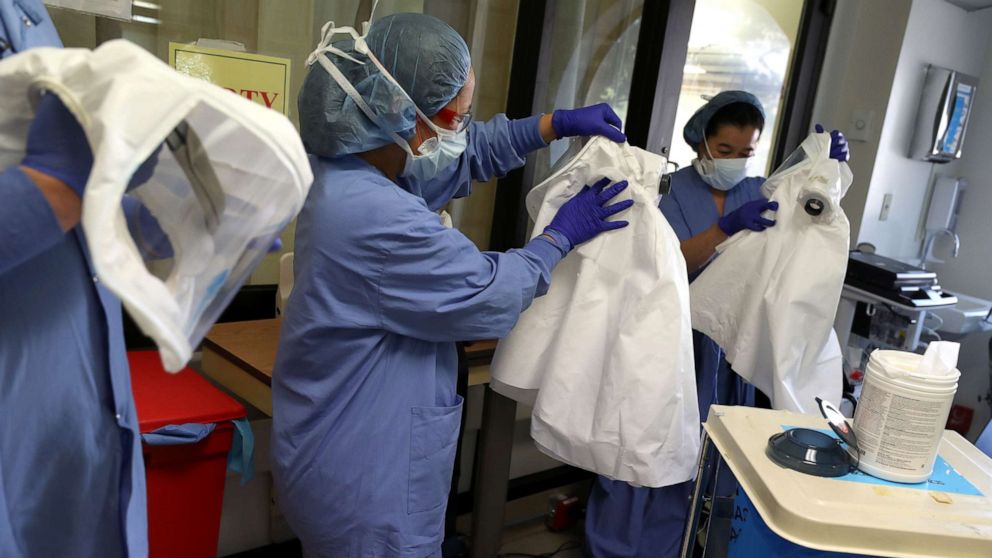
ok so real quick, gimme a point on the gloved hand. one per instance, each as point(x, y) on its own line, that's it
point(57, 145)
point(838, 145)
point(748, 216)
point(595, 120)
point(585, 216)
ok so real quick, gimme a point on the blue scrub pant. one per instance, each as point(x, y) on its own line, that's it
point(627, 522)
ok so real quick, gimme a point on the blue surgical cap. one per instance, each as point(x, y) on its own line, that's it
point(695, 129)
point(428, 58)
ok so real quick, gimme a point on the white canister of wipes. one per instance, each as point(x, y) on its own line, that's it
point(903, 409)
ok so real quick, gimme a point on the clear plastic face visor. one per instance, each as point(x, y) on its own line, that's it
point(819, 199)
point(213, 204)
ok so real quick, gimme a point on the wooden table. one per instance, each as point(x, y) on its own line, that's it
point(240, 356)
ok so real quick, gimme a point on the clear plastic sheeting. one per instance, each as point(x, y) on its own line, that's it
point(190, 186)
point(769, 298)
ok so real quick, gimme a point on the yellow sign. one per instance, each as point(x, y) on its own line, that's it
point(260, 79)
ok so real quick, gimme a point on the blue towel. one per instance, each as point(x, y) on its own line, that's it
point(178, 434)
point(241, 457)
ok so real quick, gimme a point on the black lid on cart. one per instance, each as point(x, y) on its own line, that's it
point(809, 451)
point(813, 452)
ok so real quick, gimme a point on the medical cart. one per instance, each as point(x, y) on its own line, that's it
point(781, 512)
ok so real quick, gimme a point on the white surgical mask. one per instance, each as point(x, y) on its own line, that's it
point(434, 154)
point(722, 174)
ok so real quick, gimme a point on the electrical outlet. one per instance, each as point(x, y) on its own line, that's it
point(886, 206)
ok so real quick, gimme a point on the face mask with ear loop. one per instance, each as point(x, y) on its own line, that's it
point(722, 174)
point(436, 153)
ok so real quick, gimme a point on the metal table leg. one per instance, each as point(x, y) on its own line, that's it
point(492, 473)
point(845, 320)
point(914, 331)
point(718, 528)
point(696, 503)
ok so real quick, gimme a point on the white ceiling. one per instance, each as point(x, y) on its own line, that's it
point(972, 5)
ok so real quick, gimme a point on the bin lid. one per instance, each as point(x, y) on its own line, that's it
point(949, 516)
point(162, 398)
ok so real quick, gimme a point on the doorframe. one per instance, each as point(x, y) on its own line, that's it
point(804, 78)
point(657, 73)
point(510, 221)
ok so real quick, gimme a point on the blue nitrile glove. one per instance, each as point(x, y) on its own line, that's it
point(57, 145)
point(585, 216)
point(748, 216)
point(595, 120)
point(838, 145)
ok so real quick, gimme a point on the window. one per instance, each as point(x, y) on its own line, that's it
point(738, 44)
point(592, 48)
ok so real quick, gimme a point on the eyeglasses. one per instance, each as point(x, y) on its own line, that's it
point(460, 121)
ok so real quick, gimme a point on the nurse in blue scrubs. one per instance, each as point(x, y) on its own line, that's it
point(710, 201)
point(72, 480)
point(366, 417)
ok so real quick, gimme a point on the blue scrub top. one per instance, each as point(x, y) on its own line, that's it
point(71, 475)
point(366, 417)
point(691, 210)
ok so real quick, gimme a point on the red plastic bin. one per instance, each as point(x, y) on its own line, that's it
point(185, 482)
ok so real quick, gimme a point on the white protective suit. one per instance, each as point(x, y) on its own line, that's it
point(605, 357)
point(770, 298)
point(230, 175)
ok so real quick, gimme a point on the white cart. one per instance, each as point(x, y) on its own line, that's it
point(864, 516)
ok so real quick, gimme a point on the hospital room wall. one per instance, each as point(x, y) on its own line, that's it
point(888, 82)
point(971, 271)
point(874, 64)
point(937, 33)
point(945, 35)
point(866, 38)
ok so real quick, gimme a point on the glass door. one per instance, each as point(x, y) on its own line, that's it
point(590, 48)
point(738, 44)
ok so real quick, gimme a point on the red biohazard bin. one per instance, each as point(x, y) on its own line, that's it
point(185, 482)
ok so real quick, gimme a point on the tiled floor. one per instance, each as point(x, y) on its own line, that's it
point(531, 539)
point(525, 535)
point(534, 539)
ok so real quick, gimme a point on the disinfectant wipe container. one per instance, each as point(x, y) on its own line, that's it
point(903, 409)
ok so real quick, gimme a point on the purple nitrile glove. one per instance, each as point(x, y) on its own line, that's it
point(57, 145)
point(838, 145)
point(748, 216)
point(586, 215)
point(595, 120)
